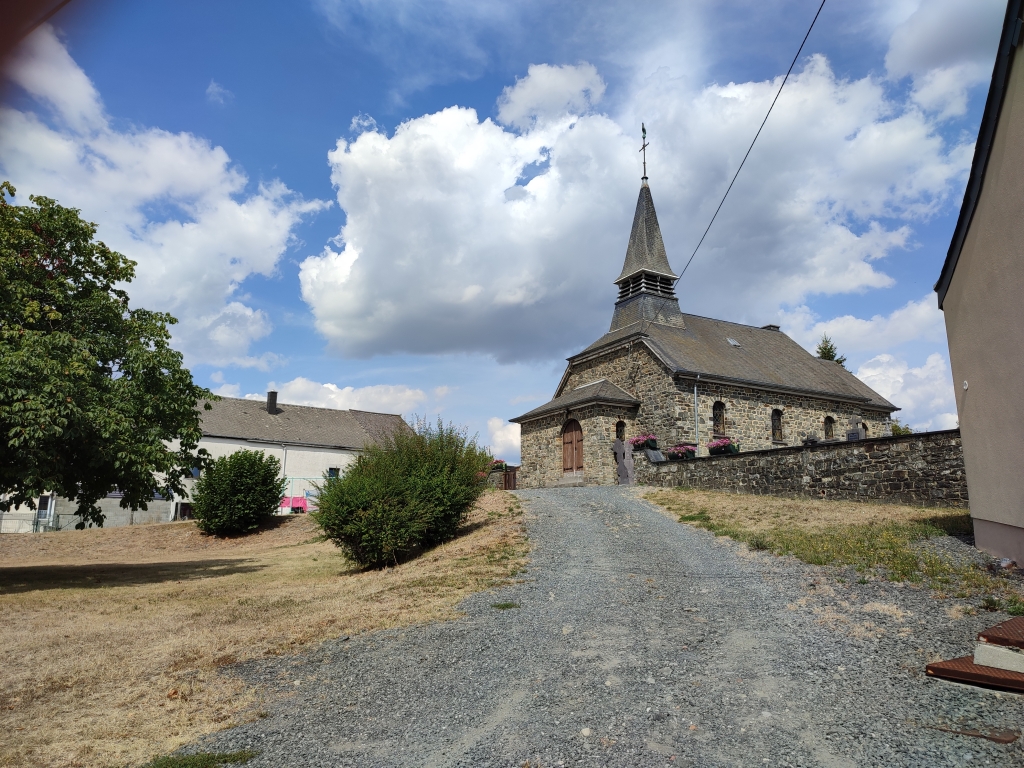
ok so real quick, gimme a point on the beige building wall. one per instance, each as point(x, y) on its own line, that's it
point(984, 312)
point(301, 465)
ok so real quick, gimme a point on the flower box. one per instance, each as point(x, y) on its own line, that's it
point(722, 447)
point(644, 441)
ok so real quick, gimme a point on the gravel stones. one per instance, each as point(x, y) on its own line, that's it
point(640, 642)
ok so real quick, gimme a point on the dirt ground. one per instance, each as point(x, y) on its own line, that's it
point(119, 642)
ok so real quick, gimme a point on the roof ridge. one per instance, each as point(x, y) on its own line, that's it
point(281, 404)
point(733, 322)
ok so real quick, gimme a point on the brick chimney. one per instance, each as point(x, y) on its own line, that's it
point(271, 401)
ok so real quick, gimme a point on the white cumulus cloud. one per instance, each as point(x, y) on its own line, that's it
point(382, 398)
point(550, 93)
point(924, 393)
point(920, 320)
point(462, 235)
point(946, 47)
point(170, 201)
point(504, 439)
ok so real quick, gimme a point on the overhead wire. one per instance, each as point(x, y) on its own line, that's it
point(744, 160)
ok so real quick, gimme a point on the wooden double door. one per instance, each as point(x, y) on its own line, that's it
point(572, 447)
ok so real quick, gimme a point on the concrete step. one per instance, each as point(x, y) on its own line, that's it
point(999, 656)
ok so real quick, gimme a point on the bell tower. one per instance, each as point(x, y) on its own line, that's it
point(647, 282)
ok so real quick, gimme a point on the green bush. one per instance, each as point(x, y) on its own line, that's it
point(408, 494)
point(237, 492)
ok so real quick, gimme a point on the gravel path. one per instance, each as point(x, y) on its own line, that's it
point(641, 642)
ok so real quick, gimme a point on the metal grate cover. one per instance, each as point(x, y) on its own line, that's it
point(964, 670)
point(1009, 633)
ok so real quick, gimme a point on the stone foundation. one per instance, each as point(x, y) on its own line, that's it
point(924, 469)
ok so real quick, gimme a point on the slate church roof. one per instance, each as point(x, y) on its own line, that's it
point(762, 358)
point(647, 312)
point(600, 392)
point(239, 419)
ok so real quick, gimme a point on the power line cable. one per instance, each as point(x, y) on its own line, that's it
point(788, 72)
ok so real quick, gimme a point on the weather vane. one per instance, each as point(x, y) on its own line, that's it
point(643, 149)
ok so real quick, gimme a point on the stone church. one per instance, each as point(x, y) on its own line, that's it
point(684, 379)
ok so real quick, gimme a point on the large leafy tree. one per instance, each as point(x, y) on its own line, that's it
point(92, 397)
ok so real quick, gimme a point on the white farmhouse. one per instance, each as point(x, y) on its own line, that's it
point(309, 442)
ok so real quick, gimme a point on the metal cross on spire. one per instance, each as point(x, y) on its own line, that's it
point(643, 149)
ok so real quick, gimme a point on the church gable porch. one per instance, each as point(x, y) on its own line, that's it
point(543, 463)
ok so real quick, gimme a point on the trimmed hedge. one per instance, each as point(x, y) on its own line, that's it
point(411, 493)
point(238, 492)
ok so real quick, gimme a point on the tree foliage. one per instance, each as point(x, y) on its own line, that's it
point(236, 493)
point(826, 350)
point(411, 493)
point(899, 428)
point(92, 398)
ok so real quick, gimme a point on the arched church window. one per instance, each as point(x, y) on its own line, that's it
point(620, 430)
point(572, 447)
point(830, 428)
point(777, 435)
point(718, 419)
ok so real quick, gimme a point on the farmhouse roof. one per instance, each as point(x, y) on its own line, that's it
point(239, 419)
point(601, 392)
point(646, 249)
point(721, 351)
point(1008, 42)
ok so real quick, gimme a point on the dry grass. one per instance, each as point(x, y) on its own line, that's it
point(117, 640)
point(760, 514)
point(878, 540)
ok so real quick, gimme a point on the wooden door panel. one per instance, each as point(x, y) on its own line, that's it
point(572, 447)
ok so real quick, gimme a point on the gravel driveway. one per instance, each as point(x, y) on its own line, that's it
point(641, 642)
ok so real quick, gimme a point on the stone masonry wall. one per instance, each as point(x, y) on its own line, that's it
point(666, 408)
point(748, 416)
point(542, 447)
point(641, 374)
point(925, 469)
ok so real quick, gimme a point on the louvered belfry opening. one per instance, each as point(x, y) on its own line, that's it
point(647, 282)
point(572, 447)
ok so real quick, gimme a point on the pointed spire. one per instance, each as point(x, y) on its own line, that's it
point(647, 291)
point(646, 249)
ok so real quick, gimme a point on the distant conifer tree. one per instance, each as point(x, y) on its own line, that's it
point(826, 350)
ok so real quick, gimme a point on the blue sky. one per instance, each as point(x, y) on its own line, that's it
point(420, 207)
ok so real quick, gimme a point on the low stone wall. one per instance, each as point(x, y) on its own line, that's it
point(924, 469)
